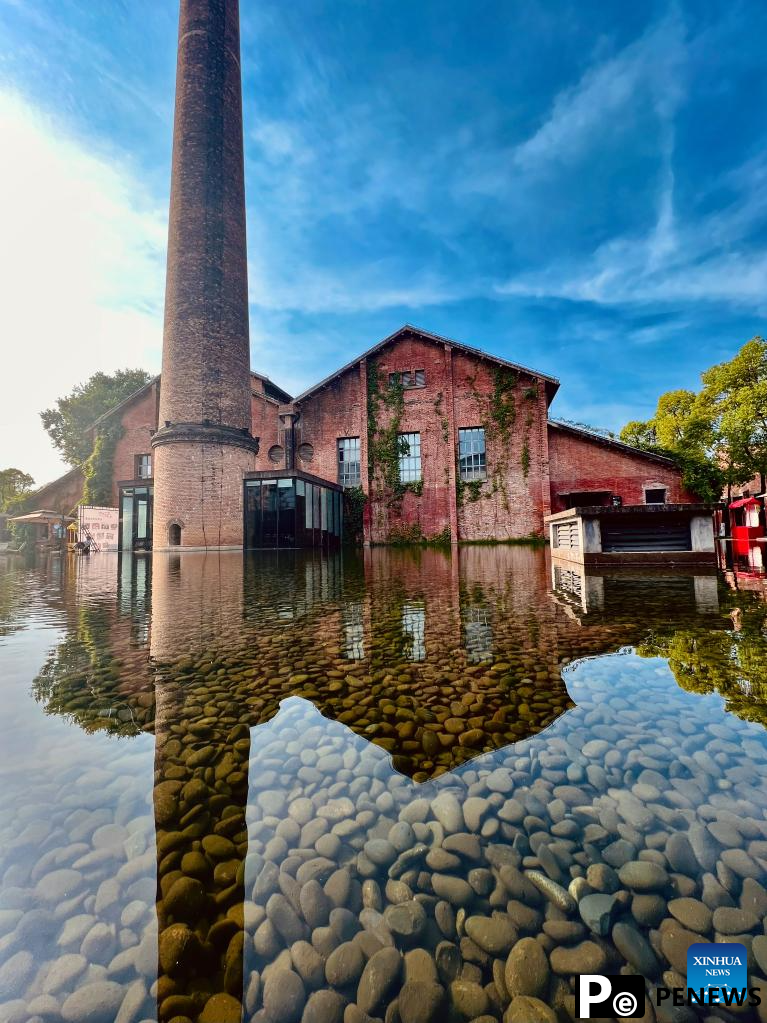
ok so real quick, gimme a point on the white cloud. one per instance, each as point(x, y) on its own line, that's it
point(82, 264)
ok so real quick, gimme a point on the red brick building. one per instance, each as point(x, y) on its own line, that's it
point(444, 440)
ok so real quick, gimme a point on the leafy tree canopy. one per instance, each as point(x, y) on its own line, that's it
point(14, 486)
point(68, 421)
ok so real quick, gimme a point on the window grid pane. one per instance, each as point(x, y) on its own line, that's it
point(409, 457)
point(408, 378)
point(472, 463)
point(349, 461)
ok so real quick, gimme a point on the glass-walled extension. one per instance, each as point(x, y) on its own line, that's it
point(136, 518)
point(292, 510)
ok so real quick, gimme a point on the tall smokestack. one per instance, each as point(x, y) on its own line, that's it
point(204, 445)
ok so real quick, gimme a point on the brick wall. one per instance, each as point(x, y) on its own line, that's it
point(458, 393)
point(206, 494)
point(139, 421)
point(579, 463)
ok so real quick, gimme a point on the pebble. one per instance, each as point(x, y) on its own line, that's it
point(93, 1003)
point(494, 934)
point(643, 876)
point(597, 912)
point(527, 969)
point(345, 965)
point(284, 996)
point(379, 977)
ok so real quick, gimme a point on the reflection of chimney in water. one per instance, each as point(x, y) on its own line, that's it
point(200, 785)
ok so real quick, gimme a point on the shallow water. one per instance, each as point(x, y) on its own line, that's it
point(409, 785)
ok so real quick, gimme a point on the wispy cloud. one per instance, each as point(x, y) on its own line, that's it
point(81, 260)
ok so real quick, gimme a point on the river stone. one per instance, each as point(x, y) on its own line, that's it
point(308, 964)
point(468, 998)
point(674, 942)
point(345, 965)
point(474, 810)
point(99, 944)
point(447, 810)
point(63, 971)
point(554, 892)
point(635, 948)
point(284, 996)
point(15, 975)
point(597, 912)
point(527, 969)
point(420, 966)
point(759, 949)
point(691, 914)
point(406, 920)
point(221, 1008)
point(185, 900)
point(741, 863)
point(324, 1007)
point(494, 934)
point(587, 957)
point(177, 948)
point(93, 1003)
point(734, 921)
point(643, 876)
point(380, 851)
point(219, 848)
point(648, 910)
point(284, 918)
point(454, 889)
point(420, 1001)
point(315, 904)
point(680, 855)
point(379, 978)
point(529, 1010)
point(59, 885)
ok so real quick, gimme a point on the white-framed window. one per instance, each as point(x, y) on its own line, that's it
point(349, 461)
point(409, 457)
point(143, 467)
point(472, 461)
point(655, 494)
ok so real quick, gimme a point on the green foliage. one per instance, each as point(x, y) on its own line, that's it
point(15, 487)
point(68, 422)
point(734, 397)
point(384, 443)
point(97, 468)
point(468, 490)
point(503, 410)
point(525, 458)
point(354, 499)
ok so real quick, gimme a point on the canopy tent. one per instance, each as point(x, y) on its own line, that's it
point(42, 518)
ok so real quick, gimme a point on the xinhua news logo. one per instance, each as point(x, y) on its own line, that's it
point(717, 974)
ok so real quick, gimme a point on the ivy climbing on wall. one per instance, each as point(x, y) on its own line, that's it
point(97, 468)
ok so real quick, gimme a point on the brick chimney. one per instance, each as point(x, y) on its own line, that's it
point(204, 446)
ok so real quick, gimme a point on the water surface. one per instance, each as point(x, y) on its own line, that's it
point(409, 785)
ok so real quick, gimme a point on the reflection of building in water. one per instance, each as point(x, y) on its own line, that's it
point(478, 631)
point(414, 630)
point(585, 591)
point(353, 625)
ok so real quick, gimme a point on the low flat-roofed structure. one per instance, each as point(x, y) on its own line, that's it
point(638, 534)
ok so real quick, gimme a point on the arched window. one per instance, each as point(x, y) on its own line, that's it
point(174, 534)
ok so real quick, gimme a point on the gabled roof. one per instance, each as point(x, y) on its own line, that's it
point(609, 442)
point(276, 392)
point(552, 384)
point(126, 401)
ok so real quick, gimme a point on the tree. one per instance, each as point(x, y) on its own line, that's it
point(14, 486)
point(68, 422)
point(682, 429)
point(735, 395)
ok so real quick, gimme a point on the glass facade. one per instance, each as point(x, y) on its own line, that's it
point(136, 518)
point(409, 457)
point(289, 511)
point(472, 461)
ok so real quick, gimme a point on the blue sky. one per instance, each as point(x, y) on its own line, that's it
point(580, 187)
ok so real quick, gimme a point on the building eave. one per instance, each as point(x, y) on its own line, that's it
point(609, 442)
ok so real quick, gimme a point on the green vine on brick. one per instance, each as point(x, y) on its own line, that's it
point(97, 468)
point(439, 408)
point(354, 499)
